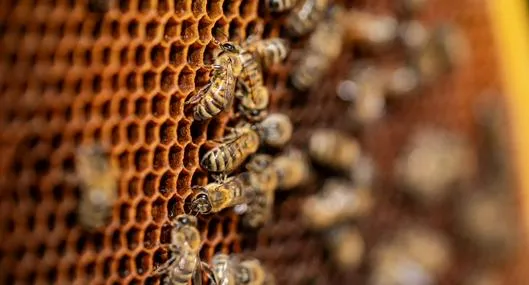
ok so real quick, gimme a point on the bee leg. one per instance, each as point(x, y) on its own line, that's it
point(195, 98)
point(211, 275)
point(165, 266)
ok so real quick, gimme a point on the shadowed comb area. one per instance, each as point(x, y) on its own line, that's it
point(70, 76)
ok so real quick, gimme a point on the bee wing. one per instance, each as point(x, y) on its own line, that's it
point(196, 98)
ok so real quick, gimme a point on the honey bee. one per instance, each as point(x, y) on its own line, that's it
point(276, 130)
point(270, 51)
point(223, 266)
point(304, 17)
point(251, 271)
point(324, 47)
point(217, 95)
point(232, 151)
point(339, 201)
point(433, 163)
point(293, 169)
point(253, 95)
point(184, 264)
point(369, 29)
point(215, 197)
point(99, 188)
point(280, 5)
point(346, 246)
point(445, 48)
point(415, 255)
point(334, 149)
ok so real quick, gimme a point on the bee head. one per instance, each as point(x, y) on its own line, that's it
point(201, 204)
point(259, 162)
point(229, 47)
point(186, 220)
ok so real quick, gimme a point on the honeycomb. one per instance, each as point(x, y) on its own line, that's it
point(70, 76)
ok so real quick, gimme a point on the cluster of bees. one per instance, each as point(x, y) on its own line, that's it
point(245, 179)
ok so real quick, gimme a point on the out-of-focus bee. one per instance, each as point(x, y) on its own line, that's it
point(334, 149)
point(306, 16)
point(433, 162)
point(98, 179)
point(369, 29)
point(217, 95)
point(413, 35)
point(216, 197)
point(223, 266)
point(276, 130)
point(232, 151)
point(264, 182)
point(184, 264)
point(323, 48)
point(270, 51)
point(252, 272)
point(280, 5)
point(293, 169)
point(253, 95)
point(346, 246)
point(487, 221)
point(445, 48)
point(415, 255)
point(339, 201)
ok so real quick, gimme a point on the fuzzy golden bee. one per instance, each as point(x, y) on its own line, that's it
point(275, 130)
point(216, 197)
point(346, 246)
point(217, 95)
point(323, 48)
point(252, 272)
point(280, 5)
point(232, 151)
point(224, 268)
point(306, 16)
point(293, 169)
point(184, 264)
point(270, 51)
point(252, 94)
point(334, 149)
point(99, 187)
point(339, 201)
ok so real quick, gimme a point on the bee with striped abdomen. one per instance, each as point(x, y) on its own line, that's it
point(270, 51)
point(293, 169)
point(98, 179)
point(184, 264)
point(232, 151)
point(306, 16)
point(253, 95)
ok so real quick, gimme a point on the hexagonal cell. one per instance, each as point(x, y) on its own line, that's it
point(191, 158)
point(177, 54)
point(171, 29)
point(133, 29)
point(158, 105)
point(140, 107)
point(141, 212)
point(151, 237)
point(107, 267)
point(133, 187)
point(141, 159)
point(89, 270)
point(159, 159)
point(183, 133)
point(145, 6)
point(158, 55)
point(186, 79)
point(133, 238)
point(181, 7)
point(162, 7)
point(167, 80)
point(198, 132)
point(139, 55)
point(124, 266)
point(124, 214)
point(114, 29)
point(183, 183)
point(124, 56)
point(104, 112)
point(131, 81)
point(236, 29)
point(248, 9)
point(149, 81)
point(204, 29)
point(229, 8)
point(115, 135)
point(195, 53)
point(189, 30)
point(158, 210)
point(167, 132)
point(149, 185)
point(133, 133)
point(214, 9)
point(175, 157)
point(152, 30)
point(124, 6)
point(141, 262)
point(221, 30)
point(167, 183)
point(150, 132)
point(198, 8)
point(213, 229)
point(116, 240)
point(160, 256)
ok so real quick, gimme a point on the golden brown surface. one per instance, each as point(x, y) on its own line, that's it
point(69, 76)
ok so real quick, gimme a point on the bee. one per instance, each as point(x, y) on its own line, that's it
point(369, 29)
point(185, 264)
point(293, 169)
point(445, 48)
point(434, 162)
point(280, 5)
point(215, 197)
point(232, 151)
point(217, 95)
point(253, 95)
point(323, 48)
point(223, 266)
point(334, 149)
point(338, 201)
point(305, 16)
point(270, 51)
point(251, 271)
point(99, 188)
point(415, 255)
point(346, 246)
point(276, 130)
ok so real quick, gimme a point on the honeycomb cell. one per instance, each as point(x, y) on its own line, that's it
point(183, 132)
point(189, 30)
point(133, 29)
point(198, 8)
point(149, 81)
point(140, 55)
point(133, 238)
point(177, 54)
point(133, 134)
point(167, 80)
point(124, 214)
point(145, 6)
point(124, 266)
point(163, 7)
point(158, 208)
point(141, 212)
point(204, 29)
point(167, 182)
point(151, 132)
point(182, 7)
point(229, 8)
point(183, 183)
point(195, 53)
point(142, 262)
point(159, 105)
point(171, 29)
point(158, 55)
point(152, 30)
point(132, 81)
point(159, 158)
point(191, 156)
point(151, 237)
point(175, 157)
point(214, 9)
point(149, 185)
point(107, 268)
point(186, 79)
point(168, 132)
point(140, 107)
